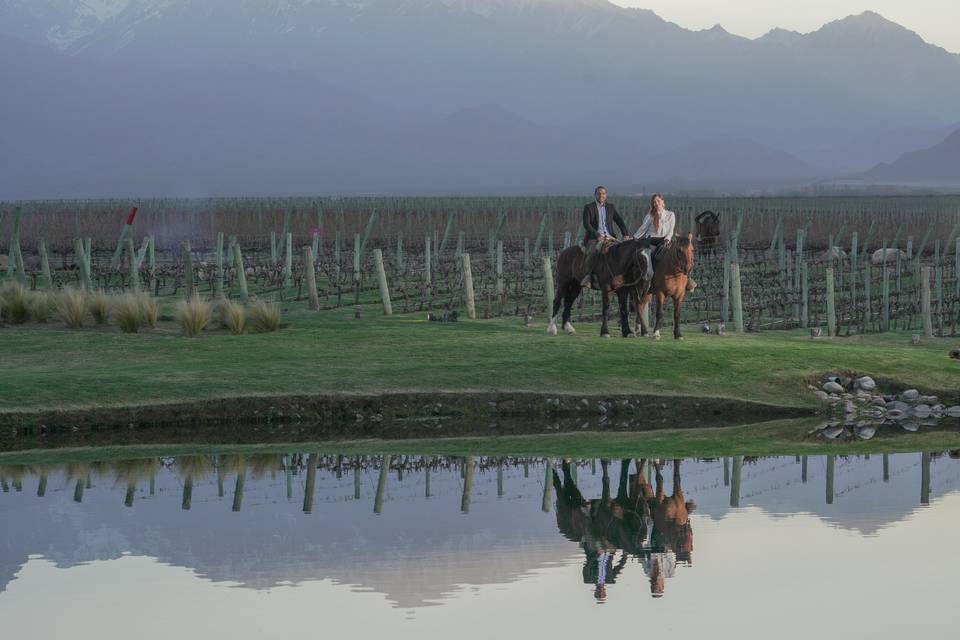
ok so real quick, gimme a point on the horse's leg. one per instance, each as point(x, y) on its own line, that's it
point(623, 297)
point(573, 292)
point(642, 303)
point(656, 327)
point(677, 303)
point(558, 298)
point(605, 308)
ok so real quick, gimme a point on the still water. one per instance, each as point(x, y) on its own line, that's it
point(308, 545)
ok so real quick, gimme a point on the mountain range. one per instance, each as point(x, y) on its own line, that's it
point(113, 97)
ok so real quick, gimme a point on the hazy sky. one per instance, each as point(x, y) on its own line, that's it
point(935, 20)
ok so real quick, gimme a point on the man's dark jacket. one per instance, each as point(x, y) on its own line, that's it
point(591, 221)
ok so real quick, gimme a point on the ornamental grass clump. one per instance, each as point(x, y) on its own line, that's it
point(14, 301)
point(149, 308)
point(232, 316)
point(193, 315)
point(264, 317)
point(41, 306)
point(100, 307)
point(127, 313)
point(72, 307)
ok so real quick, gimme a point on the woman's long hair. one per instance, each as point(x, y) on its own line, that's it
point(654, 212)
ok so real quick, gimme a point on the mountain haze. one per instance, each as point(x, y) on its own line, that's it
point(457, 95)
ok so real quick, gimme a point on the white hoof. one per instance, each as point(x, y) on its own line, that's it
point(552, 329)
point(568, 329)
point(656, 335)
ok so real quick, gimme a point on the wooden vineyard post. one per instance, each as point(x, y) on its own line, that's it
point(382, 281)
point(152, 262)
point(187, 259)
point(499, 269)
point(885, 290)
point(548, 285)
point(273, 248)
point(132, 265)
point(867, 281)
point(925, 302)
point(468, 288)
point(853, 277)
point(736, 298)
point(44, 264)
point(725, 296)
point(467, 484)
point(218, 277)
point(336, 256)
point(400, 253)
point(310, 273)
point(566, 239)
point(804, 295)
point(427, 279)
point(356, 258)
point(15, 257)
point(831, 304)
point(84, 265)
point(956, 267)
point(241, 273)
point(288, 262)
point(382, 484)
point(124, 234)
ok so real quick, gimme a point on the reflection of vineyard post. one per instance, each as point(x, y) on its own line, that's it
point(467, 484)
point(356, 478)
point(803, 469)
point(831, 470)
point(886, 467)
point(925, 478)
point(547, 486)
point(726, 472)
point(311, 486)
point(238, 487)
point(382, 484)
point(735, 483)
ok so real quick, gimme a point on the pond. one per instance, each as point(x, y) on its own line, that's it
point(305, 545)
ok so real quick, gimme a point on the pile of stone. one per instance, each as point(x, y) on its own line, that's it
point(859, 409)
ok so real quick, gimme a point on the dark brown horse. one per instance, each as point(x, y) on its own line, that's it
point(708, 232)
point(673, 267)
point(624, 269)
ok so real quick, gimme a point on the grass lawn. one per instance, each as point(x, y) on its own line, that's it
point(49, 367)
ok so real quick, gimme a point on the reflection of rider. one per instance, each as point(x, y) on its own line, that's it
point(599, 217)
point(658, 227)
point(672, 538)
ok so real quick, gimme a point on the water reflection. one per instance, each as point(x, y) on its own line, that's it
point(418, 528)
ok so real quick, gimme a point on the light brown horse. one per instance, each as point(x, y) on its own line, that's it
point(671, 272)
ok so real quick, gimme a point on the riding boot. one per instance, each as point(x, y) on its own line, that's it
point(691, 284)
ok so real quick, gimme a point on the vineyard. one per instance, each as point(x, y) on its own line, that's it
point(844, 265)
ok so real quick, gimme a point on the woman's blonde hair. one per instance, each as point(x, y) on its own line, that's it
point(654, 212)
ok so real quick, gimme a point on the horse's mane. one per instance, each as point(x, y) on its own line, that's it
point(675, 255)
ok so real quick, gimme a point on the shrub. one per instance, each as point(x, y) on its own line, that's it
point(193, 315)
point(41, 306)
point(72, 307)
point(264, 317)
point(149, 308)
point(100, 307)
point(232, 316)
point(15, 300)
point(127, 312)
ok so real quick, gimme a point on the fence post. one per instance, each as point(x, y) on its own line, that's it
point(499, 268)
point(132, 263)
point(925, 302)
point(725, 297)
point(548, 285)
point(44, 264)
point(566, 239)
point(831, 305)
point(468, 288)
point(152, 262)
point(273, 248)
point(735, 296)
point(218, 277)
point(241, 274)
point(804, 295)
point(867, 280)
point(357, 248)
point(187, 259)
point(288, 262)
point(84, 265)
point(382, 280)
point(426, 263)
point(310, 271)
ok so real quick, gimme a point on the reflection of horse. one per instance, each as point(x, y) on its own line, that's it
point(708, 232)
point(671, 515)
point(674, 264)
point(623, 269)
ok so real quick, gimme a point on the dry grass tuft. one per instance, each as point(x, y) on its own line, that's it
point(100, 307)
point(41, 305)
point(193, 315)
point(232, 316)
point(264, 317)
point(72, 307)
point(15, 303)
point(127, 312)
point(149, 308)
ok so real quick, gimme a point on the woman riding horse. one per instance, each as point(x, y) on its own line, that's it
point(658, 227)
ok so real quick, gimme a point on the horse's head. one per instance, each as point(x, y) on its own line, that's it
point(683, 252)
point(708, 226)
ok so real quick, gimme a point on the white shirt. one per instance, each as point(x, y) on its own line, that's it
point(602, 220)
point(668, 222)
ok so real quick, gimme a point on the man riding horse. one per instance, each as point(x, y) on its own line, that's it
point(599, 217)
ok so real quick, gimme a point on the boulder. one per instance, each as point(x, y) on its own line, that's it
point(953, 412)
point(865, 433)
point(887, 255)
point(922, 411)
point(910, 395)
point(833, 253)
point(865, 383)
point(911, 426)
point(896, 414)
point(832, 387)
point(833, 432)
